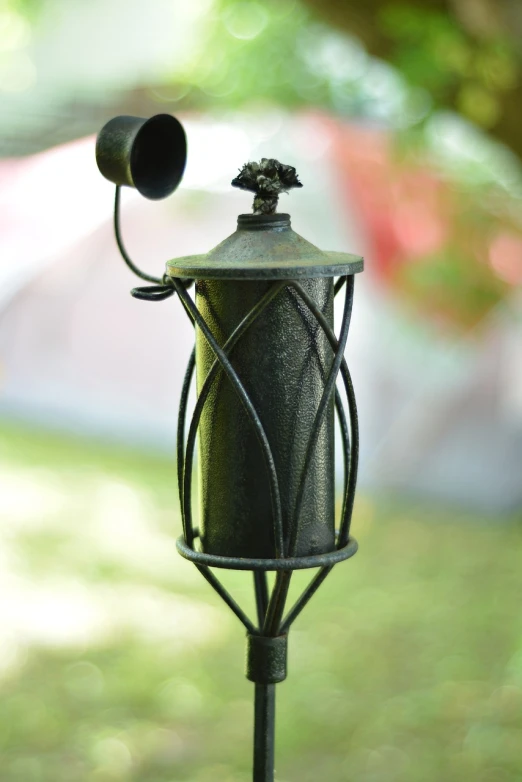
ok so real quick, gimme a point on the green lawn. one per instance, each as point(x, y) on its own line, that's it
point(118, 662)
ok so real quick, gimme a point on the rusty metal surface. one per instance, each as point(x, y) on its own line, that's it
point(265, 247)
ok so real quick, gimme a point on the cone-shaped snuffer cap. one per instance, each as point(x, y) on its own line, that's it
point(265, 247)
point(148, 154)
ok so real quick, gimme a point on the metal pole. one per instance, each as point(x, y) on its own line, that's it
point(266, 662)
point(264, 732)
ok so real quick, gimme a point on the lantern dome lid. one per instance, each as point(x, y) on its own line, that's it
point(264, 247)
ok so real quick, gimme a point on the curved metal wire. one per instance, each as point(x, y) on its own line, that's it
point(283, 564)
point(343, 425)
point(280, 593)
point(321, 410)
point(214, 582)
point(338, 285)
point(304, 599)
point(180, 437)
point(121, 247)
point(350, 489)
point(261, 593)
point(153, 292)
point(347, 449)
point(236, 335)
point(162, 287)
point(203, 569)
point(180, 447)
point(261, 587)
point(352, 407)
point(251, 411)
point(339, 408)
point(277, 602)
point(349, 494)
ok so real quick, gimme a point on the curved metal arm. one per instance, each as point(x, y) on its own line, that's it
point(163, 287)
point(117, 231)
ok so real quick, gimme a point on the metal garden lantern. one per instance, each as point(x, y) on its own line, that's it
point(267, 361)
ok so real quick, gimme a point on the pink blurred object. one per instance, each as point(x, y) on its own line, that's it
point(429, 235)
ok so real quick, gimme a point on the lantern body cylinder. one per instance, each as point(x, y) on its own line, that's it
point(282, 361)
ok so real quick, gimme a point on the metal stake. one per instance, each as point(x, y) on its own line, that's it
point(264, 732)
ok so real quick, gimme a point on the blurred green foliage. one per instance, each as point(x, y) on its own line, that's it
point(406, 665)
point(445, 54)
point(431, 48)
point(280, 52)
point(274, 51)
point(456, 284)
point(29, 8)
point(467, 55)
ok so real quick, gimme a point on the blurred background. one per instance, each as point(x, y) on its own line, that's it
point(403, 119)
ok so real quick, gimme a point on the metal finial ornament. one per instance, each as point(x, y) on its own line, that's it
point(267, 179)
point(267, 361)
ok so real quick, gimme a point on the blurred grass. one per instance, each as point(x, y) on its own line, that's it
point(407, 665)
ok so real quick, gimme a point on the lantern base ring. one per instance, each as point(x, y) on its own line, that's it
point(285, 563)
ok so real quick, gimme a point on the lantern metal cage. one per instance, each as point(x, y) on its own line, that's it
point(263, 250)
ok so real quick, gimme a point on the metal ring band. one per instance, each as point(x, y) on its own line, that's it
point(287, 563)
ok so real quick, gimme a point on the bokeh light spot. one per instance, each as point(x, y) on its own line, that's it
point(245, 20)
point(113, 755)
point(17, 73)
point(14, 31)
point(84, 680)
point(505, 257)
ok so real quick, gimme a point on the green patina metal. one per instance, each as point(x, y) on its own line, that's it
point(264, 247)
point(267, 360)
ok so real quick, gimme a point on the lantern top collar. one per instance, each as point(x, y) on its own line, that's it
point(264, 247)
